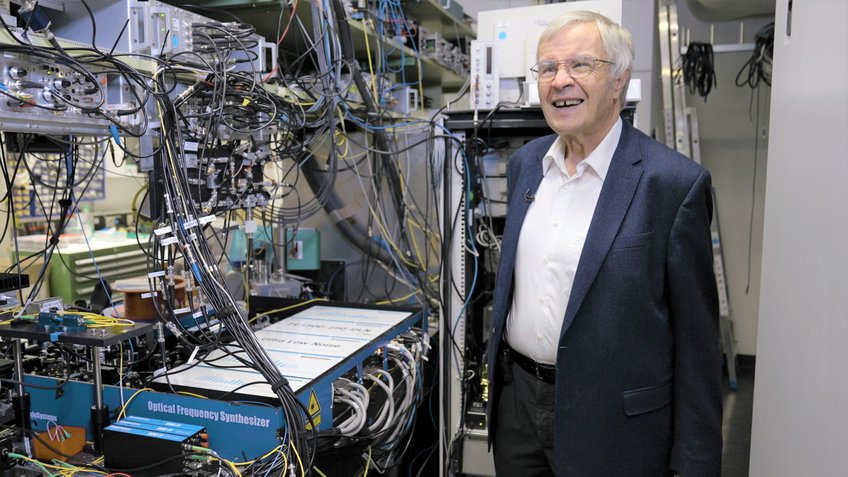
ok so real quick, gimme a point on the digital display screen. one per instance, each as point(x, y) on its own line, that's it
point(489, 60)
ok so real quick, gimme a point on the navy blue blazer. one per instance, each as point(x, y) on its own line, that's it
point(638, 368)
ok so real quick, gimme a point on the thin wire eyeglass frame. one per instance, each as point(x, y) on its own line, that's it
point(576, 67)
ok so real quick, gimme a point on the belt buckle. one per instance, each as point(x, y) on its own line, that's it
point(538, 369)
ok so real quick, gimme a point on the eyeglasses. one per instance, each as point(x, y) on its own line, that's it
point(577, 67)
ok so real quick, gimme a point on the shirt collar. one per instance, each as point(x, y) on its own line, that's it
point(599, 160)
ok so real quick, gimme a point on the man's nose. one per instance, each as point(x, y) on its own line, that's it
point(562, 78)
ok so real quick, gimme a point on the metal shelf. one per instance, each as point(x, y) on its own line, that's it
point(264, 14)
point(508, 121)
point(433, 73)
point(431, 15)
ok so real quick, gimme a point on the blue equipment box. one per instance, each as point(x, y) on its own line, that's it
point(312, 348)
point(153, 448)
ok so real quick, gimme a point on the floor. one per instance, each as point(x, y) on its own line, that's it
point(738, 409)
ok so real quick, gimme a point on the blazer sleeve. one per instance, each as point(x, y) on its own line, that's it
point(693, 302)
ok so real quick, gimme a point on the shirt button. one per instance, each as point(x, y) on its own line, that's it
point(555, 224)
point(541, 299)
point(539, 337)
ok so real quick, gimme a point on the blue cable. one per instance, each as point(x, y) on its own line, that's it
point(405, 26)
point(114, 129)
point(397, 20)
point(96, 268)
point(272, 464)
point(400, 271)
point(329, 58)
point(87, 243)
point(371, 127)
point(196, 270)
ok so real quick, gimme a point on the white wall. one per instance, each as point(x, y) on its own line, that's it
point(729, 140)
point(800, 422)
point(121, 185)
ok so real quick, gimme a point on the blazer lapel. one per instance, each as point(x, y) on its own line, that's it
point(616, 195)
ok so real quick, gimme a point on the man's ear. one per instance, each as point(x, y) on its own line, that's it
point(620, 84)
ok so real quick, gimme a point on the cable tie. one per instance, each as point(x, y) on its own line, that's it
point(193, 355)
point(54, 240)
point(228, 310)
point(149, 295)
point(279, 385)
point(169, 241)
point(160, 273)
point(207, 219)
point(163, 230)
point(180, 311)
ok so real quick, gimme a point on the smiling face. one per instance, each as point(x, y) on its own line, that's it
point(583, 109)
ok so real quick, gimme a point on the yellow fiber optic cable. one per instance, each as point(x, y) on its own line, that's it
point(395, 300)
point(123, 412)
point(285, 308)
point(370, 65)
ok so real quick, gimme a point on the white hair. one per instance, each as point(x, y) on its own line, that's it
point(617, 41)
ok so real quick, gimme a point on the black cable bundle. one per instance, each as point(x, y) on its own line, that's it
point(758, 67)
point(698, 69)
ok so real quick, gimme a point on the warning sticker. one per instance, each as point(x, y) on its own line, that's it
point(314, 410)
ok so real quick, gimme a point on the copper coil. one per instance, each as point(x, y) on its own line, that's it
point(137, 308)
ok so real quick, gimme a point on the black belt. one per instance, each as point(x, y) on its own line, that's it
point(542, 372)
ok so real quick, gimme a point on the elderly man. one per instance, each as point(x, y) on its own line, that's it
point(603, 356)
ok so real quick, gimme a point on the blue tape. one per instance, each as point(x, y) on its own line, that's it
point(196, 271)
point(115, 135)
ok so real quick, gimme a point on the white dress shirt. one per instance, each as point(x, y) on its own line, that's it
point(550, 245)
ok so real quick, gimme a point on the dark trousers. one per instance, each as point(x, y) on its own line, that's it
point(524, 435)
